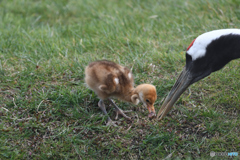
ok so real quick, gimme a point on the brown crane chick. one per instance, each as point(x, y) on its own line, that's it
point(108, 79)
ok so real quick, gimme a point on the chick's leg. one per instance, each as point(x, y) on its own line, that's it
point(119, 111)
point(103, 108)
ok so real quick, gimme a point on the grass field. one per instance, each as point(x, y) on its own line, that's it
point(47, 112)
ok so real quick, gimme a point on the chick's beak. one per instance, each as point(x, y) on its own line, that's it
point(151, 111)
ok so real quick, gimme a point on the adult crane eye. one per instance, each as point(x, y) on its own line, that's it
point(147, 101)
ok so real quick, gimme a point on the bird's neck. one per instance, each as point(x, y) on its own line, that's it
point(128, 94)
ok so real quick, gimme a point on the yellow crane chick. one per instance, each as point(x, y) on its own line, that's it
point(108, 79)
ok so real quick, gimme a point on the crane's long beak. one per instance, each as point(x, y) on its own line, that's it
point(183, 81)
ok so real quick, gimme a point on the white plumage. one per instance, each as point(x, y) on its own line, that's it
point(198, 48)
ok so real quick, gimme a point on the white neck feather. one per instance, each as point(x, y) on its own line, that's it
point(198, 49)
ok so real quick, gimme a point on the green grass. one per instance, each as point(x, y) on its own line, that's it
point(46, 111)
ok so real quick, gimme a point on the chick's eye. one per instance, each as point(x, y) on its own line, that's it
point(147, 100)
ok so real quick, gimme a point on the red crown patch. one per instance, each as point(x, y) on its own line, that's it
point(190, 45)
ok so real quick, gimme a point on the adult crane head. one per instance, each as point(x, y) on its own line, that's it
point(208, 53)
